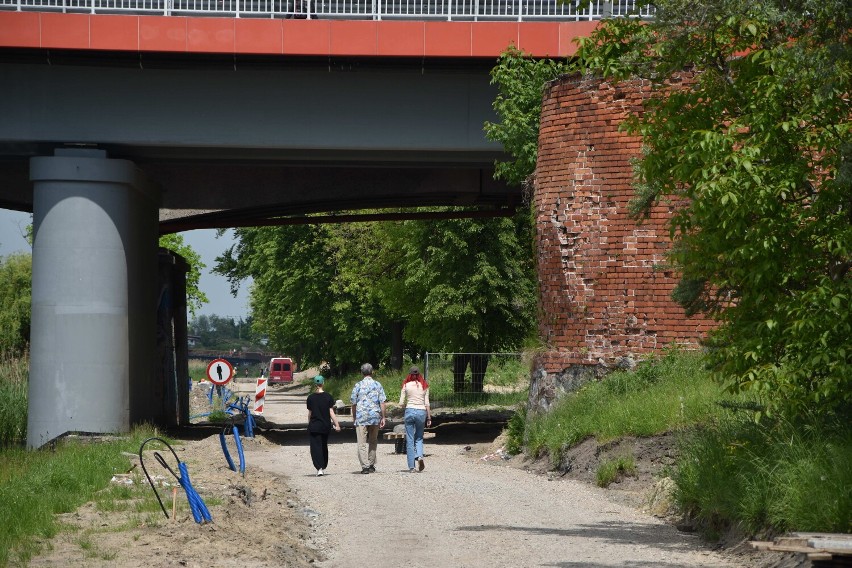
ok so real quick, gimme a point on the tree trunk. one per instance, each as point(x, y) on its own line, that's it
point(460, 362)
point(396, 345)
point(478, 365)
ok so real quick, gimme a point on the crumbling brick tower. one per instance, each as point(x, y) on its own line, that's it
point(604, 282)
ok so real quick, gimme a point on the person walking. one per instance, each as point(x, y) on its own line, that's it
point(415, 396)
point(368, 414)
point(320, 417)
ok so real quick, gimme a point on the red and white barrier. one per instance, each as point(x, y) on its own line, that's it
point(259, 395)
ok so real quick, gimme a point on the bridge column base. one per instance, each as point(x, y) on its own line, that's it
point(93, 296)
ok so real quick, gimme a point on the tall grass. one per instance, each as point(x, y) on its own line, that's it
point(14, 373)
point(773, 476)
point(659, 396)
point(36, 485)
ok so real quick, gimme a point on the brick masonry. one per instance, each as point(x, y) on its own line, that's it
point(604, 281)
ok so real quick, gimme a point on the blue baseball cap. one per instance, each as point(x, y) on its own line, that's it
point(318, 380)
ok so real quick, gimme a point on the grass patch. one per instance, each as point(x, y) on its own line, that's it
point(35, 486)
point(658, 396)
point(613, 470)
point(770, 475)
point(14, 372)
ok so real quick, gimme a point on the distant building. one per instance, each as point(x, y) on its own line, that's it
point(193, 340)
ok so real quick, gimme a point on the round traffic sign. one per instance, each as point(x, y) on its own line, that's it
point(220, 371)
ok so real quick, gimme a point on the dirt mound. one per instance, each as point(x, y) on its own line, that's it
point(258, 521)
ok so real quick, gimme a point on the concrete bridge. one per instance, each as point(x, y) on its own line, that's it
point(123, 121)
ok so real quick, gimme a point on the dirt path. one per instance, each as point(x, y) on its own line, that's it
point(461, 512)
point(466, 512)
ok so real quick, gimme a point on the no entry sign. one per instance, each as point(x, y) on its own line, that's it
point(219, 371)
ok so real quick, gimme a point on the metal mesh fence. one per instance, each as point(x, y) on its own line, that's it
point(466, 379)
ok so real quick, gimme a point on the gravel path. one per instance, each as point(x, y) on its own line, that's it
point(465, 512)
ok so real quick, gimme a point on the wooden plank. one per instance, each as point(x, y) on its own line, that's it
point(401, 435)
point(761, 544)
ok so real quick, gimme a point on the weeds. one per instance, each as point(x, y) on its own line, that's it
point(613, 470)
point(14, 372)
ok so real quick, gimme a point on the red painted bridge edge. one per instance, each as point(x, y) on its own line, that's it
point(177, 34)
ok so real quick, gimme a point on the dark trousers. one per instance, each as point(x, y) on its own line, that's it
point(319, 449)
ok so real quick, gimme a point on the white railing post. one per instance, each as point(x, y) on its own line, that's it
point(309, 9)
point(449, 10)
point(520, 10)
point(238, 8)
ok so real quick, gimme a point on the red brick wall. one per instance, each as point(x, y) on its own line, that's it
point(604, 281)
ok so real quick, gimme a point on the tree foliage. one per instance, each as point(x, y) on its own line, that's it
point(331, 292)
point(195, 296)
point(15, 303)
point(313, 292)
point(520, 80)
point(466, 285)
point(756, 153)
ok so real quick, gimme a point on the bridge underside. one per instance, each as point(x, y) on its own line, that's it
point(107, 149)
point(231, 140)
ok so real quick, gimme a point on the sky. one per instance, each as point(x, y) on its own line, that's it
point(13, 227)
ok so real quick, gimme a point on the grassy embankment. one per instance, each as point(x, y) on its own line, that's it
point(37, 485)
point(732, 470)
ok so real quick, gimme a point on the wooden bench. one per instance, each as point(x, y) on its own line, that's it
point(399, 438)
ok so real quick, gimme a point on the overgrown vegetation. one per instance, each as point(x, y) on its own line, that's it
point(37, 485)
point(733, 470)
point(14, 372)
point(772, 475)
point(659, 396)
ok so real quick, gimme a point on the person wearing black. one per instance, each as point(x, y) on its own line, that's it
point(320, 417)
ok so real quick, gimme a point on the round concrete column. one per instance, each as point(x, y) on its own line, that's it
point(95, 233)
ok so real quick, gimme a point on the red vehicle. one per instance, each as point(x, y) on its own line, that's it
point(280, 370)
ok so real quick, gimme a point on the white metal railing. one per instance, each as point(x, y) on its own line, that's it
point(461, 10)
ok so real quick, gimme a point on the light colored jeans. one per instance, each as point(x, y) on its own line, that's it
point(368, 440)
point(415, 421)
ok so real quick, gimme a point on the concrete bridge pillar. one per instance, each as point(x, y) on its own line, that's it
point(94, 295)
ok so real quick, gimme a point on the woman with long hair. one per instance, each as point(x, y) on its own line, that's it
point(418, 415)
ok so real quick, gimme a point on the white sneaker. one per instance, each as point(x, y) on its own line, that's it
point(320, 473)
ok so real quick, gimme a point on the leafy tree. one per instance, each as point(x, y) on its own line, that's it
point(313, 291)
point(195, 297)
point(464, 285)
point(520, 80)
point(755, 151)
point(15, 302)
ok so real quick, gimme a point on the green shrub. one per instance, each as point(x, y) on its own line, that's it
point(515, 430)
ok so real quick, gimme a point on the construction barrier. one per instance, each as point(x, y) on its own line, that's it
point(259, 395)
